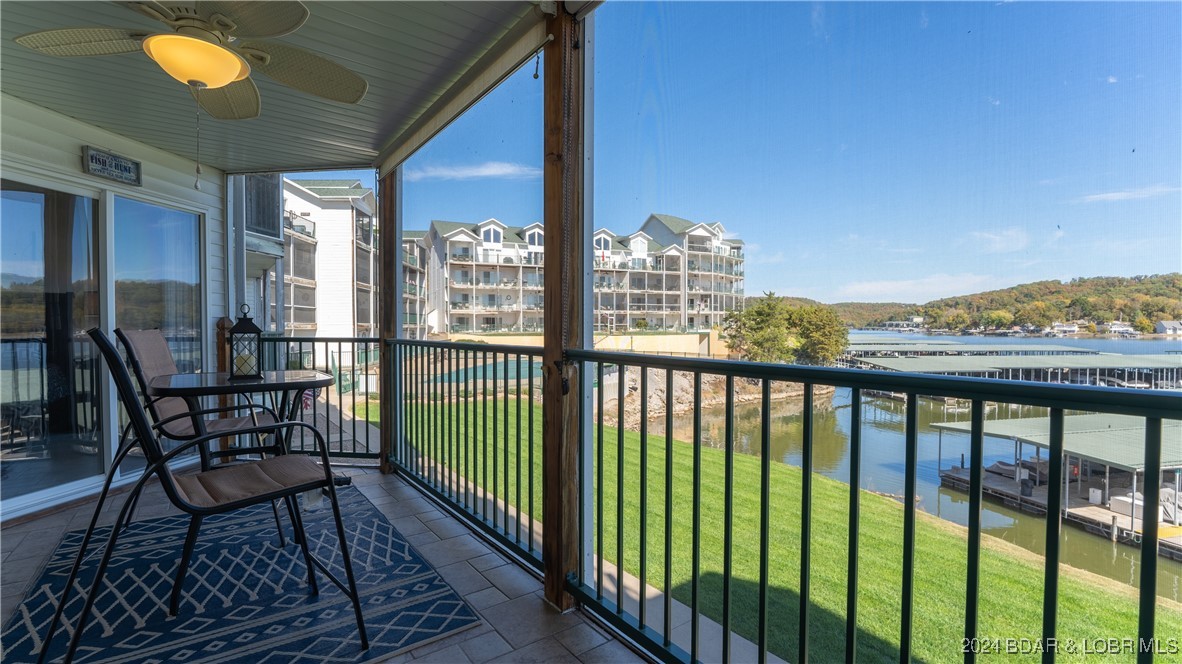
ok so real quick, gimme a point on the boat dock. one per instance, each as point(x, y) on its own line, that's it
point(1096, 519)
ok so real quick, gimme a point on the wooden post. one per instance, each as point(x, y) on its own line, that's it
point(563, 317)
point(390, 302)
point(222, 351)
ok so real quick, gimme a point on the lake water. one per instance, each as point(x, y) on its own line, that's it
point(883, 464)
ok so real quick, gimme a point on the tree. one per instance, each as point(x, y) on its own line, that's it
point(760, 332)
point(821, 336)
point(1143, 325)
point(997, 318)
point(771, 331)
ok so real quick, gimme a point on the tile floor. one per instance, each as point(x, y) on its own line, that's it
point(517, 624)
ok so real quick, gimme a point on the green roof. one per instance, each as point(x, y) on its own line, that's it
point(449, 227)
point(1115, 440)
point(972, 364)
point(675, 224)
point(333, 192)
point(413, 235)
point(951, 348)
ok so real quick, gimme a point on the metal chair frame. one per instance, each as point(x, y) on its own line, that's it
point(142, 434)
point(197, 420)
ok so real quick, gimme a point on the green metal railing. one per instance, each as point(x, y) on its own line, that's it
point(343, 412)
point(601, 585)
point(470, 434)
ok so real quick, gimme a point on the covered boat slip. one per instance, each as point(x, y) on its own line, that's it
point(1144, 370)
point(1116, 442)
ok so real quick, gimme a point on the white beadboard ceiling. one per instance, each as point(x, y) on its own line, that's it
point(414, 55)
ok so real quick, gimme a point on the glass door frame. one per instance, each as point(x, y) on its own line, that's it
point(77, 184)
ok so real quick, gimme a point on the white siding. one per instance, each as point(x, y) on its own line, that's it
point(38, 143)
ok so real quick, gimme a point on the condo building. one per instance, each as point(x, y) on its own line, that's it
point(672, 274)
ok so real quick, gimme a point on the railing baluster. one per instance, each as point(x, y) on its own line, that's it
point(728, 516)
point(911, 440)
point(697, 511)
point(643, 583)
point(517, 458)
point(973, 576)
point(531, 459)
point(495, 439)
point(620, 389)
point(851, 598)
point(599, 488)
point(1152, 499)
point(1054, 519)
point(484, 436)
point(806, 504)
point(765, 467)
point(449, 381)
point(668, 587)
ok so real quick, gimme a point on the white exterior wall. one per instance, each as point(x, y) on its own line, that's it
point(335, 289)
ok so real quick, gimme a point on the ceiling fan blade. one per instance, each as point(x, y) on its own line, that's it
point(153, 10)
point(253, 19)
point(305, 71)
point(236, 101)
point(74, 42)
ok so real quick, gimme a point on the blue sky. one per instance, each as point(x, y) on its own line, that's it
point(864, 151)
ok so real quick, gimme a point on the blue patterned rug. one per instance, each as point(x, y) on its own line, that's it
point(245, 599)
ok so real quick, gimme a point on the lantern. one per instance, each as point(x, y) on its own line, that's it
point(245, 342)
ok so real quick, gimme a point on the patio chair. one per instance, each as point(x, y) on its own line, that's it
point(149, 355)
point(206, 493)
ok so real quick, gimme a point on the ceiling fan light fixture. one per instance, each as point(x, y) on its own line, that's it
point(196, 62)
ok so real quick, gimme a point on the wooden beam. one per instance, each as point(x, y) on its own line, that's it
point(563, 317)
point(390, 296)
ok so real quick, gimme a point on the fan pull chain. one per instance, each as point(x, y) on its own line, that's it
point(537, 63)
point(197, 179)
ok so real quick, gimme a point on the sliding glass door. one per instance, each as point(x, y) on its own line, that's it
point(50, 424)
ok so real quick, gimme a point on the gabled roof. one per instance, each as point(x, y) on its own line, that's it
point(333, 188)
point(640, 234)
point(675, 224)
point(604, 231)
point(539, 225)
point(413, 235)
point(447, 228)
point(492, 221)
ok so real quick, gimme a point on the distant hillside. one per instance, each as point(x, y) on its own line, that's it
point(1142, 301)
point(855, 314)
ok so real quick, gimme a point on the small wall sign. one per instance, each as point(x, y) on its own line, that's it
point(111, 166)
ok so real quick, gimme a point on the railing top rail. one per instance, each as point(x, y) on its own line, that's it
point(313, 340)
point(460, 345)
point(1142, 403)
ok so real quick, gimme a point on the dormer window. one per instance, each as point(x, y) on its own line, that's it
point(534, 238)
point(491, 235)
point(602, 243)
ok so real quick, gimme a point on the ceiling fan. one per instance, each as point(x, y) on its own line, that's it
point(210, 49)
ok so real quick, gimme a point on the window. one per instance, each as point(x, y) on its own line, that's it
point(491, 235)
point(602, 243)
point(534, 238)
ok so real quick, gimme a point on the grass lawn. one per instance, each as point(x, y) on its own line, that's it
point(1090, 607)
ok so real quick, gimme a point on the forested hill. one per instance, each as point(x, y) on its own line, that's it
point(1144, 300)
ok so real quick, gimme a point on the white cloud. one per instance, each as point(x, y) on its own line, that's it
point(757, 256)
point(1004, 241)
point(1112, 79)
point(817, 17)
point(993, 101)
point(502, 170)
point(923, 20)
point(1131, 194)
point(924, 289)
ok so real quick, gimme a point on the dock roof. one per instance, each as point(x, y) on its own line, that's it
point(947, 364)
point(1115, 440)
point(949, 347)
